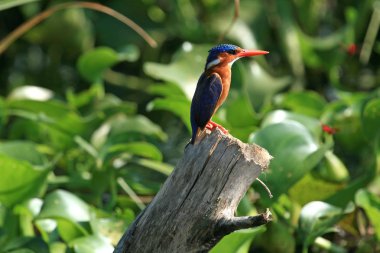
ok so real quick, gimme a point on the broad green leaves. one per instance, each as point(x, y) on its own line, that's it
point(317, 218)
point(295, 153)
point(184, 70)
point(237, 242)
point(64, 205)
point(19, 180)
point(91, 244)
point(92, 64)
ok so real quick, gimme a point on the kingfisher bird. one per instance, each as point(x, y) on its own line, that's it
point(213, 86)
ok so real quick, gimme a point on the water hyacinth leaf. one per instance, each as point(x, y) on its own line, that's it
point(371, 119)
point(332, 169)
point(307, 103)
point(26, 245)
point(238, 241)
point(61, 204)
point(185, 68)
point(317, 189)
point(91, 244)
point(318, 218)
point(371, 205)
point(177, 106)
point(92, 63)
point(141, 125)
point(277, 116)
point(52, 113)
point(260, 85)
point(23, 151)
point(167, 90)
point(239, 112)
point(143, 149)
point(6, 4)
point(295, 151)
point(112, 227)
point(19, 180)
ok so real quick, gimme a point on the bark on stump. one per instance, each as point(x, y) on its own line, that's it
point(195, 207)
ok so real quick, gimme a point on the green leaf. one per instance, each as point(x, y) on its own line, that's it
point(317, 189)
point(371, 119)
point(50, 113)
point(185, 68)
point(92, 63)
point(19, 180)
point(333, 169)
point(239, 112)
point(122, 128)
point(318, 218)
point(143, 149)
point(277, 116)
point(65, 205)
point(295, 153)
point(238, 241)
point(178, 106)
point(163, 168)
point(167, 90)
point(69, 211)
point(308, 103)
point(6, 4)
point(91, 244)
point(23, 151)
point(371, 205)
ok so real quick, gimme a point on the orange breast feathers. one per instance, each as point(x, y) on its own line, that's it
point(224, 71)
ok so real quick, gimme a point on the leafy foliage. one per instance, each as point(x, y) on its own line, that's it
point(93, 120)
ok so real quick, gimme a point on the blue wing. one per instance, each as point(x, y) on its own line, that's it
point(206, 96)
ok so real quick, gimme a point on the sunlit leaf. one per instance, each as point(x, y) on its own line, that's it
point(31, 93)
point(23, 151)
point(143, 149)
point(295, 153)
point(185, 68)
point(318, 218)
point(19, 180)
point(92, 64)
point(91, 244)
point(238, 241)
point(333, 169)
point(278, 116)
point(65, 205)
point(139, 124)
point(308, 102)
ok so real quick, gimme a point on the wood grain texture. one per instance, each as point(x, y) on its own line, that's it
point(195, 207)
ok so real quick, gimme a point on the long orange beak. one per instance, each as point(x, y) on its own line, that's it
point(246, 53)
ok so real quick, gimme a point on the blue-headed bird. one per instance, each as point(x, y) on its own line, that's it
point(213, 86)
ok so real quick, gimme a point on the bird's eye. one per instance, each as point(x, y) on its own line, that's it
point(232, 51)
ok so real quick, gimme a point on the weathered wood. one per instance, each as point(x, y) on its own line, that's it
point(196, 205)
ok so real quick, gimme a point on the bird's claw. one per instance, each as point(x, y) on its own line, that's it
point(212, 125)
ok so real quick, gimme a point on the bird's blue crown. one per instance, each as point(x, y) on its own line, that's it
point(215, 51)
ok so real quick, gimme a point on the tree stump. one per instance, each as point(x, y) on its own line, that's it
point(195, 207)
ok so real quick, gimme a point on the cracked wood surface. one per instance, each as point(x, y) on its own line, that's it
point(195, 207)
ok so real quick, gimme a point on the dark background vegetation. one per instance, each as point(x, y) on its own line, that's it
point(93, 119)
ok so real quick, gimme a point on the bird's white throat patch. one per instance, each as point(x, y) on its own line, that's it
point(232, 62)
point(212, 63)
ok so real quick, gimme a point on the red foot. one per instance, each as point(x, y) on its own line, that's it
point(212, 125)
